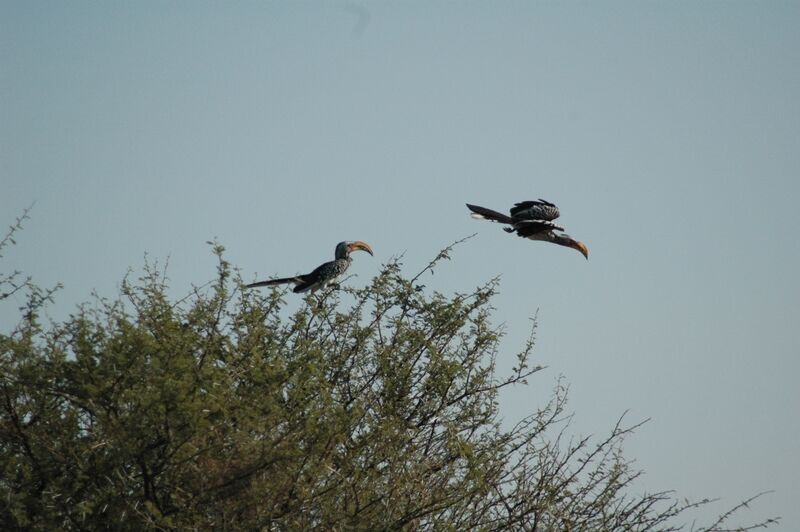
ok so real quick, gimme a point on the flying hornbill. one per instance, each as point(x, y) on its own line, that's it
point(323, 274)
point(531, 219)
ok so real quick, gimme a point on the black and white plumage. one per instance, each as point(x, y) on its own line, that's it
point(323, 274)
point(533, 220)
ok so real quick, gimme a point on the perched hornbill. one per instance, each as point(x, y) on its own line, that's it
point(324, 273)
point(531, 219)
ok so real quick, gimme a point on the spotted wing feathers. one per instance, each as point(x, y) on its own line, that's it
point(531, 228)
point(534, 210)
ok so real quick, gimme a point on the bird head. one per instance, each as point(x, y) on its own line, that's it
point(343, 249)
point(566, 240)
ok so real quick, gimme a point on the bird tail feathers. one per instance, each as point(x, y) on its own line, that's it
point(272, 282)
point(482, 213)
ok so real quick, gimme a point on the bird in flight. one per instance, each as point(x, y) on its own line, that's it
point(324, 274)
point(534, 220)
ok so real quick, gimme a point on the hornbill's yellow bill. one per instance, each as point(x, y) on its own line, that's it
point(358, 244)
point(580, 246)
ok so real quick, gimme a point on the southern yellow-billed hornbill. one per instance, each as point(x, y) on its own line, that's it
point(531, 219)
point(323, 274)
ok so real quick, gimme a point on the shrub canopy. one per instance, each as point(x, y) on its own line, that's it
point(372, 408)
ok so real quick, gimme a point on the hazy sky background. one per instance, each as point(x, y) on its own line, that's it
point(667, 132)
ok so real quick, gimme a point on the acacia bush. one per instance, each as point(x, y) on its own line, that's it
point(373, 409)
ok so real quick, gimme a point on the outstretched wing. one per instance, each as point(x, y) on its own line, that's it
point(533, 228)
point(534, 210)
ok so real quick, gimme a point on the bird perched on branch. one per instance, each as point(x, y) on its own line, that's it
point(531, 219)
point(323, 274)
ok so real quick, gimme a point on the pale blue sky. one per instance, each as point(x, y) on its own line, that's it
point(668, 133)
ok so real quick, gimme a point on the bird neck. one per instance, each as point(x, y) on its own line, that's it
point(562, 240)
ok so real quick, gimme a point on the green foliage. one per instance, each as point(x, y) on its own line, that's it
point(372, 408)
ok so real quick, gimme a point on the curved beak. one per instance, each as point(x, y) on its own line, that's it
point(580, 246)
point(358, 244)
